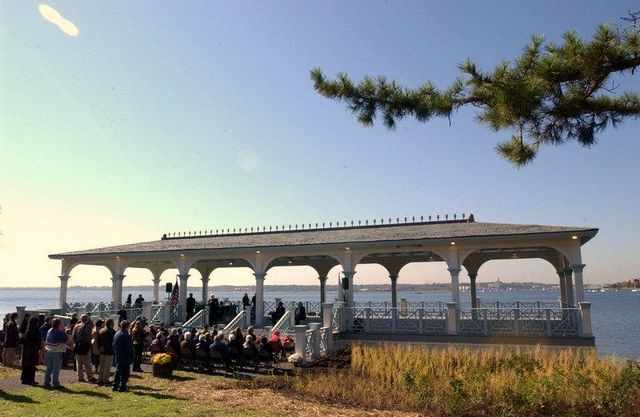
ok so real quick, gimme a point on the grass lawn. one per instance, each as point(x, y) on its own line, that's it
point(187, 394)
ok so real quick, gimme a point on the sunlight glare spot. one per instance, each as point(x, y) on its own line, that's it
point(52, 15)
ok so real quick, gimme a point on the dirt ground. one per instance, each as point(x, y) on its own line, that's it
point(223, 392)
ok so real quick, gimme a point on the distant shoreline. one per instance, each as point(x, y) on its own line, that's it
point(294, 287)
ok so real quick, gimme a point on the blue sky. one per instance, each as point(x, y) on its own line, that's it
point(198, 115)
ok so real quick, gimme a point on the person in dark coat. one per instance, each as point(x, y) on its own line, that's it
point(25, 323)
point(277, 315)
point(124, 353)
point(105, 346)
point(31, 344)
point(11, 337)
point(300, 314)
point(245, 301)
point(191, 306)
point(213, 305)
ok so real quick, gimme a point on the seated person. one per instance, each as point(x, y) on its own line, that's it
point(265, 346)
point(248, 344)
point(234, 343)
point(275, 341)
point(220, 347)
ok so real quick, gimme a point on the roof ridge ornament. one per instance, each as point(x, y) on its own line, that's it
point(324, 225)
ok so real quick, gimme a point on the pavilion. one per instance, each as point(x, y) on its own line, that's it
point(393, 243)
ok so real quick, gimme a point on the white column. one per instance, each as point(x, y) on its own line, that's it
point(585, 318)
point(394, 290)
point(156, 288)
point(205, 290)
point(117, 290)
point(259, 298)
point(182, 304)
point(300, 338)
point(64, 281)
point(452, 318)
point(474, 296)
point(323, 289)
point(563, 288)
point(349, 291)
point(577, 272)
point(455, 285)
point(568, 285)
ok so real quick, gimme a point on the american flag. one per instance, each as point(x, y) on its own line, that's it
point(175, 295)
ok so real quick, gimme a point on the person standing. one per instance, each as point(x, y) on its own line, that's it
point(56, 344)
point(137, 334)
point(212, 310)
point(245, 301)
point(191, 306)
point(105, 346)
point(82, 348)
point(300, 314)
point(11, 337)
point(124, 353)
point(95, 352)
point(127, 304)
point(30, 351)
point(139, 301)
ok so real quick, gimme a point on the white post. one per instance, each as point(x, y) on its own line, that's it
point(455, 285)
point(117, 290)
point(64, 281)
point(327, 314)
point(146, 309)
point(472, 287)
point(156, 288)
point(260, 298)
point(323, 289)
point(315, 327)
point(577, 271)
point(349, 276)
point(166, 316)
point(563, 289)
point(300, 335)
point(205, 290)
point(585, 316)
point(394, 289)
point(341, 325)
point(182, 303)
point(569, 287)
point(452, 318)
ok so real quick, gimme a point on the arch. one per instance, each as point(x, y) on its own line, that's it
point(472, 260)
point(73, 266)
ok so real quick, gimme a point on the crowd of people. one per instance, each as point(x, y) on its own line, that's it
point(94, 348)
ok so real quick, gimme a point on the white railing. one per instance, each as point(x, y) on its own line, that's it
point(285, 324)
point(157, 313)
point(312, 308)
point(240, 320)
point(325, 334)
point(558, 322)
point(310, 345)
point(198, 320)
point(393, 320)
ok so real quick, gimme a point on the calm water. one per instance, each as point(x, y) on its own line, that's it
point(615, 315)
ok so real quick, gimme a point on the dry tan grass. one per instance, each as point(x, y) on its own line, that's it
point(230, 395)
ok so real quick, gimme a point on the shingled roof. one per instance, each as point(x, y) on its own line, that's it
point(339, 235)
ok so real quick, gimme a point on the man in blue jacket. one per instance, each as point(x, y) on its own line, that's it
point(123, 352)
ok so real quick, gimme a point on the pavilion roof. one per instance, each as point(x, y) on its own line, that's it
point(337, 235)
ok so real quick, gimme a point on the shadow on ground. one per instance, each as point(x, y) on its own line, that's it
point(85, 392)
point(16, 398)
